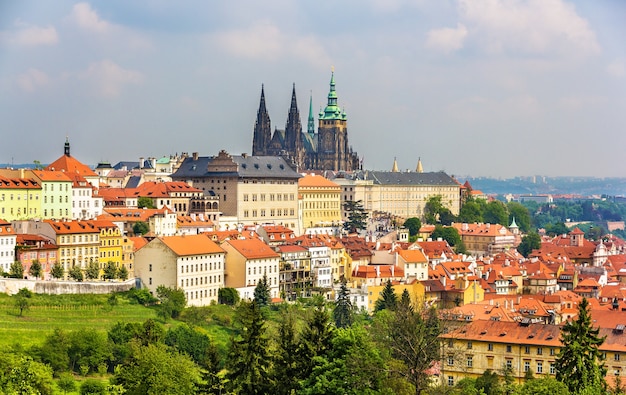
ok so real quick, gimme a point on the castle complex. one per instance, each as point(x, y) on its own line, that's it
point(326, 149)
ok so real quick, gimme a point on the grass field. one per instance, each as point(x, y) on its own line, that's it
point(69, 312)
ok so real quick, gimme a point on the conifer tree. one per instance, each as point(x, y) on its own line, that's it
point(316, 339)
point(262, 292)
point(388, 299)
point(579, 363)
point(342, 313)
point(286, 369)
point(249, 361)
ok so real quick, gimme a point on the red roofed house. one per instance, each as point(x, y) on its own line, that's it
point(485, 239)
point(247, 261)
point(68, 164)
point(35, 247)
point(192, 263)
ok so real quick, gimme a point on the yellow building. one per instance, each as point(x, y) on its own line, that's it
point(111, 243)
point(128, 255)
point(20, 198)
point(480, 345)
point(415, 289)
point(320, 201)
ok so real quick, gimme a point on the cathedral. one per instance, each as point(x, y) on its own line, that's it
point(326, 149)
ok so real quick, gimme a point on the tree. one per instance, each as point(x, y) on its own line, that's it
point(57, 270)
point(388, 299)
point(544, 386)
point(432, 208)
point(76, 274)
point(249, 361)
point(145, 202)
point(88, 350)
point(316, 339)
point(35, 269)
point(140, 228)
point(530, 242)
point(413, 224)
point(580, 363)
point(93, 387)
point(228, 296)
point(122, 274)
point(22, 300)
point(19, 374)
point(451, 235)
point(471, 212)
point(153, 369)
point(411, 339)
point(110, 271)
point(66, 383)
point(194, 343)
point(286, 373)
point(556, 229)
point(496, 212)
point(521, 215)
point(357, 216)
point(489, 383)
point(262, 292)
point(16, 270)
point(93, 271)
point(342, 313)
point(405, 301)
point(173, 301)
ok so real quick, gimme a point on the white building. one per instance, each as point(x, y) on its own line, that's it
point(7, 245)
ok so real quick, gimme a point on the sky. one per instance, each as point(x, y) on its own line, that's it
point(475, 88)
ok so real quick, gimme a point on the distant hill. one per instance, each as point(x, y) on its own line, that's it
point(583, 186)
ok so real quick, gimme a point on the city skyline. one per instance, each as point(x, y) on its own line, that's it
point(499, 88)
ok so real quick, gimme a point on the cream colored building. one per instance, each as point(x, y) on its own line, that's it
point(193, 263)
point(252, 189)
point(401, 194)
point(247, 261)
point(320, 201)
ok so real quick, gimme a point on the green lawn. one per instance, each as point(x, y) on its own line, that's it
point(69, 312)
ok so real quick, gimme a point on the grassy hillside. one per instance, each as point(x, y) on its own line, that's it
point(70, 312)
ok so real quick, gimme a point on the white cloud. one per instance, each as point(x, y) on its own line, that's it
point(29, 35)
point(109, 78)
point(265, 41)
point(617, 68)
point(87, 18)
point(533, 26)
point(580, 102)
point(446, 40)
point(32, 79)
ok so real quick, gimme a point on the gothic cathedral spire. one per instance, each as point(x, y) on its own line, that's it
point(262, 128)
point(293, 129)
point(311, 121)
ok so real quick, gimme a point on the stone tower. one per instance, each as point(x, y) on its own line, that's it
point(262, 128)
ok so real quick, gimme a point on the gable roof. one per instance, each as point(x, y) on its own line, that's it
point(191, 245)
point(252, 248)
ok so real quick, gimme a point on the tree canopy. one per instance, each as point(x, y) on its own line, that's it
point(357, 216)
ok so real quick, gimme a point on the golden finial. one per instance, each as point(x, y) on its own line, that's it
point(332, 69)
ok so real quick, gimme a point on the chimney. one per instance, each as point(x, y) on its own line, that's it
point(194, 156)
point(141, 160)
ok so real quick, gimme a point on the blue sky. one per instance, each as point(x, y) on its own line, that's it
point(495, 88)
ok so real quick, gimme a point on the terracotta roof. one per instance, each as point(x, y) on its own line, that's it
point(413, 256)
point(18, 183)
point(69, 164)
point(507, 332)
point(72, 227)
point(317, 181)
point(191, 245)
point(50, 175)
point(138, 242)
point(253, 248)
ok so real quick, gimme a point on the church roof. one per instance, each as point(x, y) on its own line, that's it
point(69, 164)
point(409, 178)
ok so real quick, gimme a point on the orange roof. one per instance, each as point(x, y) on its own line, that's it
point(71, 227)
point(138, 242)
point(253, 248)
point(191, 245)
point(18, 183)
point(413, 256)
point(132, 215)
point(163, 189)
point(50, 175)
point(6, 228)
point(507, 332)
point(380, 271)
point(312, 180)
point(491, 230)
point(68, 164)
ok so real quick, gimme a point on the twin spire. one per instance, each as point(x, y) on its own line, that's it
point(418, 169)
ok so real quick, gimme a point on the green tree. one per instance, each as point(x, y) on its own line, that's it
point(110, 271)
point(54, 351)
point(57, 270)
point(194, 343)
point(19, 374)
point(66, 383)
point(451, 235)
point(286, 372)
point(357, 216)
point(489, 383)
point(140, 228)
point(543, 386)
point(432, 209)
point(88, 350)
point(316, 338)
point(411, 340)
point(388, 299)
point(580, 363)
point(22, 300)
point(496, 212)
point(122, 274)
point(521, 215)
point(413, 224)
point(35, 269)
point(249, 360)
point(471, 212)
point(16, 270)
point(145, 202)
point(93, 387)
point(405, 301)
point(173, 301)
point(153, 370)
point(342, 312)
point(530, 242)
point(76, 274)
point(228, 296)
point(93, 271)
point(556, 229)
point(262, 292)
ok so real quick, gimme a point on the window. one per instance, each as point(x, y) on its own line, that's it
point(450, 360)
point(470, 361)
point(245, 197)
point(552, 351)
point(526, 366)
point(451, 381)
point(539, 351)
point(150, 268)
point(490, 347)
point(527, 349)
point(552, 368)
point(616, 357)
point(509, 364)
point(539, 367)
point(469, 345)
